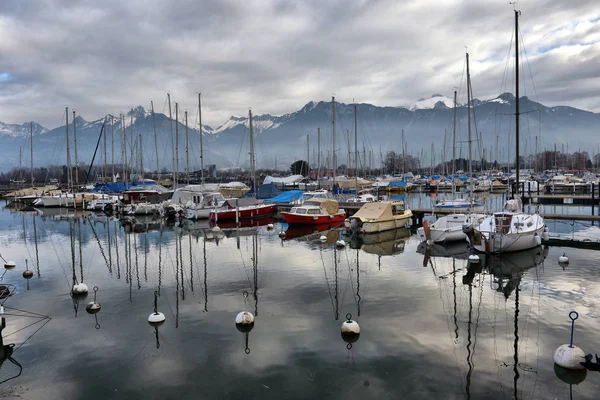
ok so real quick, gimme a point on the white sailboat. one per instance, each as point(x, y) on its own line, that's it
point(509, 230)
point(469, 205)
point(449, 228)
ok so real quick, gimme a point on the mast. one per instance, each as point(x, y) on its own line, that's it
point(131, 130)
point(318, 154)
point(403, 155)
point(112, 157)
point(141, 158)
point(252, 152)
point(123, 148)
point(176, 144)
point(76, 158)
point(69, 172)
point(105, 156)
point(308, 154)
point(517, 96)
point(356, 149)
point(201, 147)
point(20, 164)
point(187, 157)
point(155, 138)
point(334, 160)
point(172, 143)
point(31, 149)
point(469, 123)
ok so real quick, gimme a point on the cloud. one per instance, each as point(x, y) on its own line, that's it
point(275, 56)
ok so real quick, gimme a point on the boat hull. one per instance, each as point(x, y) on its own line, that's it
point(297, 219)
point(243, 213)
point(371, 227)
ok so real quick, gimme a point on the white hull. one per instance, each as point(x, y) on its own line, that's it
point(142, 209)
point(524, 232)
point(55, 201)
point(450, 228)
point(381, 226)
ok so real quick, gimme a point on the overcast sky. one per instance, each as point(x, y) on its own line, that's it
point(274, 56)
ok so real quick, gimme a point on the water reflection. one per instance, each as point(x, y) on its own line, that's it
point(475, 327)
point(386, 243)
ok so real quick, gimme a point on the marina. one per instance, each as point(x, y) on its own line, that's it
point(486, 330)
point(299, 200)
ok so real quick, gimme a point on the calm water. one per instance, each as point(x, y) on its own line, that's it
point(431, 327)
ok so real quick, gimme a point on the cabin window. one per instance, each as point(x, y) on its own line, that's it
point(314, 211)
point(294, 209)
point(301, 211)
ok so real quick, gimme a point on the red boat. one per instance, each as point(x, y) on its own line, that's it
point(315, 212)
point(247, 208)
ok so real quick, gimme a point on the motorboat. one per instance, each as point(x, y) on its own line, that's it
point(378, 217)
point(243, 208)
point(315, 211)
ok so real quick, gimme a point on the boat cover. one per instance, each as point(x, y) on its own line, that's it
point(241, 202)
point(375, 211)
point(286, 197)
point(285, 180)
point(331, 206)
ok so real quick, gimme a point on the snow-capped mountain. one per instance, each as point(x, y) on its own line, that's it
point(282, 139)
point(435, 101)
point(23, 130)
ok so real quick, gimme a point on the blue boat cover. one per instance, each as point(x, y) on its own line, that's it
point(286, 197)
point(118, 187)
point(398, 184)
point(264, 191)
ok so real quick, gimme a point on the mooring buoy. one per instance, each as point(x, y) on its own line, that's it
point(567, 355)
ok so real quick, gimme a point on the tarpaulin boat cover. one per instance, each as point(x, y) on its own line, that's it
point(118, 187)
point(376, 211)
point(264, 191)
point(286, 197)
point(285, 180)
point(241, 202)
point(331, 206)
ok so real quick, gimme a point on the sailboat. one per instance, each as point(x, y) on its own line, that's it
point(245, 208)
point(450, 227)
point(461, 205)
point(511, 229)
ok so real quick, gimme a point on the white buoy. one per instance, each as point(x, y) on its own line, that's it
point(10, 264)
point(93, 307)
point(323, 238)
point(80, 288)
point(350, 327)
point(569, 357)
point(282, 234)
point(244, 318)
point(474, 258)
point(156, 318)
point(350, 331)
point(270, 226)
point(216, 229)
point(563, 259)
point(537, 239)
point(546, 234)
point(340, 243)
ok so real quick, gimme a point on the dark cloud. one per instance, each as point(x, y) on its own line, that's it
point(277, 55)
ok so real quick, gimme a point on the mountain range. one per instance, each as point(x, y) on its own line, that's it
point(280, 140)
